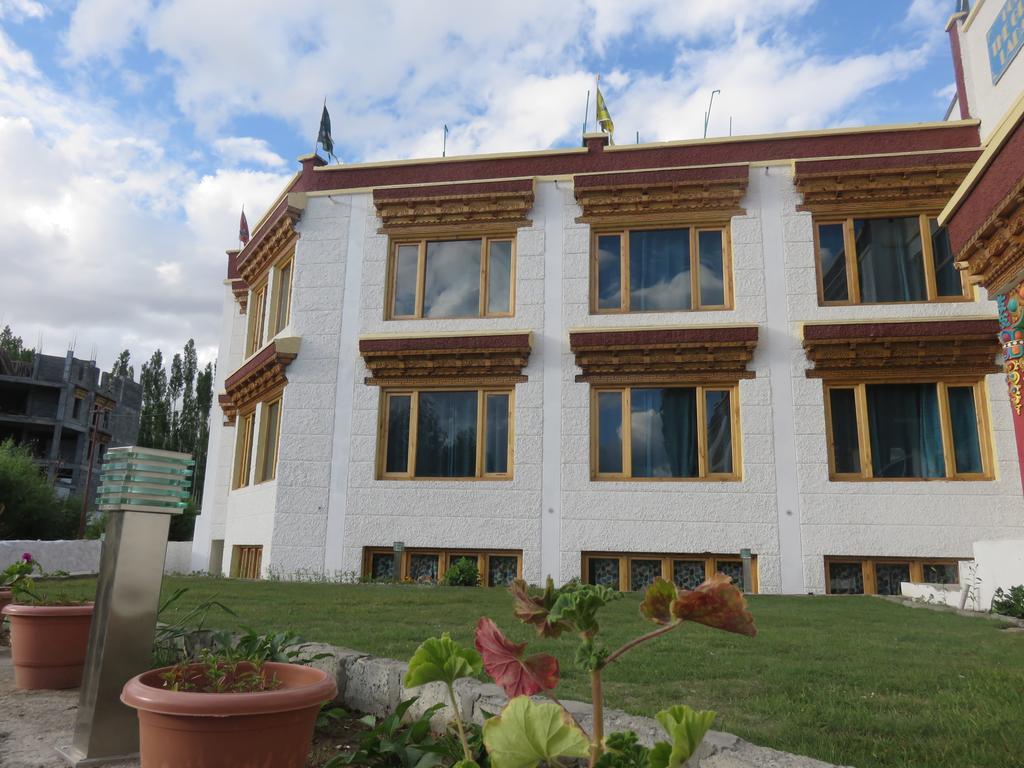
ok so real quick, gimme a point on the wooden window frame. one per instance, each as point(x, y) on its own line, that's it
point(703, 475)
point(276, 298)
point(246, 561)
point(852, 267)
point(255, 332)
point(695, 299)
point(444, 555)
point(481, 412)
point(421, 274)
point(262, 442)
point(868, 567)
point(710, 560)
point(241, 475)
point(866, 474)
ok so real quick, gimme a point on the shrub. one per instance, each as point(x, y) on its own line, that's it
point(1009, 603)
point(462, 573)
point(29, 507)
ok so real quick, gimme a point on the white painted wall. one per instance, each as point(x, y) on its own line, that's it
point(999, 564)
point(987, 101)
point(79, 557)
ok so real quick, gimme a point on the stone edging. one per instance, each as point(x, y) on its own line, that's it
point(911, 602)
point(374, 685)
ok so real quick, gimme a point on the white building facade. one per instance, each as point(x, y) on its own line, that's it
point(614, 363)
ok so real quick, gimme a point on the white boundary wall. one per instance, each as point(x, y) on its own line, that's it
point(83, 556)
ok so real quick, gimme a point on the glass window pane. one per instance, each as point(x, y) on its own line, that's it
point(832, 262)
point(642, 573)
point(499, 277)
point(845, 579)
point(502, 570)
point(718, 415)
point(688, 574)
point(940, 573)
point(890, 260)
point(663, 424)
point(733, 569)
point(947, 278)
point(446, 434)
point(845, 441)
point(659, 270)
point(906, 437)
point(272, 414)
point(397, 459)
point(604, 571)
point(609, 432)
point(451, 286)
point(889, 576)
point(963, 419)
point(712, 268)
point(423, 567)
point(284, 297)
point(406, 266)
point(609, 272)
point(382, 566)
point(496, 445)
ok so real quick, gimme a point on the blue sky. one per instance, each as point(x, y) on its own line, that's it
point(132, 132)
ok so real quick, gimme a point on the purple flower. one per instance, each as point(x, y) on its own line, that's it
point(27, 557)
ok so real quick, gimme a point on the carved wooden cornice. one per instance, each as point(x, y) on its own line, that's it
point(472, 359)
point(994, 256)
point(482, 207)
point(664, 355)
point(902, 351)
point(239, 288)
point(687, 195)
point(853, 191)
point(259, 376)
point(274, 236)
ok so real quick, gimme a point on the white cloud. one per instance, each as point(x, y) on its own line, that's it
point(19, 10)
point(103, 27)
point(238, 150)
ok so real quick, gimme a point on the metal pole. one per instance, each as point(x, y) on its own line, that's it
point(707, 115)
point(586, 113)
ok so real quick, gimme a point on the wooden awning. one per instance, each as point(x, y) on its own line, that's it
point(261, 375)
point(473, 208)
point(447, 359)
point(902, 351)
point(274, 235)
point(664, 355)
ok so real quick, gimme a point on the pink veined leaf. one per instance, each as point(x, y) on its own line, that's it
point(505, 663)
point(716, 603)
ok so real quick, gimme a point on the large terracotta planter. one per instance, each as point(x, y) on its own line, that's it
point(5, 599)
point(229, 730)
point(48, 644)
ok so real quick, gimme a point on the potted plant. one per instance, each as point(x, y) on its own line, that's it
point(49, 633)
point(222, 710)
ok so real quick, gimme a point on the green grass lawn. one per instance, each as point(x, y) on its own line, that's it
point(850, 680)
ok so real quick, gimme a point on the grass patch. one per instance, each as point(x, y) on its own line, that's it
point(855, 681)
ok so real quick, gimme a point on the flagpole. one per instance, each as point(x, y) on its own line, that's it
point(586, 112)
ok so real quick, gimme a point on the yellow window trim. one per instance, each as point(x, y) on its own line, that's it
point(242, 470)
point(276, 299)
point(263, 444)
point(257, 319)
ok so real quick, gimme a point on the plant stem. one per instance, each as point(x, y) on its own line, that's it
point(555, 699)
point(458, 722)
point(642, 639)
point(597, 702)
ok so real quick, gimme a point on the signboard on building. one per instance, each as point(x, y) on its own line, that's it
point(1005, 37)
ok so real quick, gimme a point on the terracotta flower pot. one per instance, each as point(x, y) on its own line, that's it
point(48, 644)
point(5, 599)
point(229, 730)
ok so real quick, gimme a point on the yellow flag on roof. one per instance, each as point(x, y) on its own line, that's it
point(604, 118)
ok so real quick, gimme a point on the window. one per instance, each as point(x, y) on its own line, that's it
point(281, 307)
point(907, 431)
point(257, 316)
point(660, 270)
point(76, 409)
point(446, 434)
point(266, 454)
point(243, 449)
point(635, 572)
point(246, 561)
point(884, 575)
point(886, 260)
point(664, 433)
point(497, 568)
point(452, 278)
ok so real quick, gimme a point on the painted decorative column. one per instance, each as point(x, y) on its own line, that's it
point(1011, 336)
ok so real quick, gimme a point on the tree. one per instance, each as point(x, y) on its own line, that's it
point(204, 401)
point(14, 346)
point(174, 387)
point(29, 507)
point(154, 424)
point(121, 369)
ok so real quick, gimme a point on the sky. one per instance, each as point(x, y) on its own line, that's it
point(133, 132)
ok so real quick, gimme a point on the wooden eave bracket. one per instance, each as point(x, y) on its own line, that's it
point(275, 235)
point(671, 355)
point(994, 255)
point(472, 359)
point(902, 351)
point(482, 207)
point(694, 195)
point(927, 188)
point(260, 375)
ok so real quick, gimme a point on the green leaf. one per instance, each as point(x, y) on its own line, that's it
point(466, 764)
point(525, 733)
point(657, 604)
point(441, 660)
point(623, 750)
point(579, 606)
point(685, 727)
